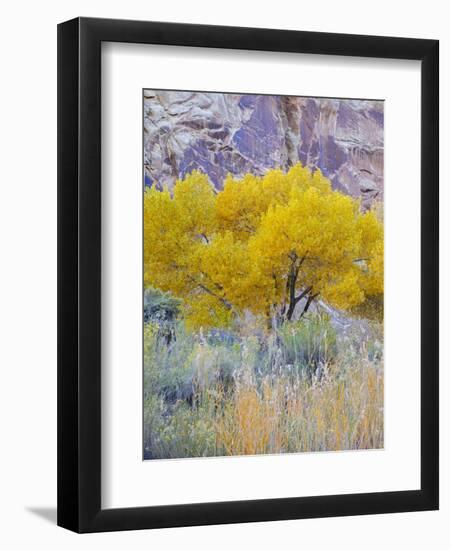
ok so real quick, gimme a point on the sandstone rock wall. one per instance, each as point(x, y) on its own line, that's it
point(220, 133)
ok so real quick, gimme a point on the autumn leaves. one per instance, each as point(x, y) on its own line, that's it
point(270, 245)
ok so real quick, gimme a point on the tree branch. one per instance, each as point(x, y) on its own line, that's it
point(308, 303)
point(302, 294)
point(224, 301)
point(203, 287)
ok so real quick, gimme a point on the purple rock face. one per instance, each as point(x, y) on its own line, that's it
point(229, 133)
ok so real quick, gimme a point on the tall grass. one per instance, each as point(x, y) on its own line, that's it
point(299, 389)
point(287, 416)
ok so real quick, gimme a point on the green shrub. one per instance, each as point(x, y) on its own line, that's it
point(160, 307)
point(308, 343)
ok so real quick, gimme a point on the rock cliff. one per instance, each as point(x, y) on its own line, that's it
point(220, 133)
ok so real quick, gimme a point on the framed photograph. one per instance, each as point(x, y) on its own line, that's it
point(247, 276)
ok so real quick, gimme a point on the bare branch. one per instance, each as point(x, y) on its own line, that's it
point(303, 294)
point(308, 303)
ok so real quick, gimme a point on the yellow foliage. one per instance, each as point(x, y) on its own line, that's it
point(242, 202)
point(259, 244)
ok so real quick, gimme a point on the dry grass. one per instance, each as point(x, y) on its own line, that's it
point(301, 416)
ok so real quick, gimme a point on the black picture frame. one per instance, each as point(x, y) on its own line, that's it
point(79, 274)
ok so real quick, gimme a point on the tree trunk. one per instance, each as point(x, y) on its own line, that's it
point(291, 285)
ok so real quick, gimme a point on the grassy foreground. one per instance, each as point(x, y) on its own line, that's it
point(300, 388)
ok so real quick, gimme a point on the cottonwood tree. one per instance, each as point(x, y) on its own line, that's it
point(270, 245)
